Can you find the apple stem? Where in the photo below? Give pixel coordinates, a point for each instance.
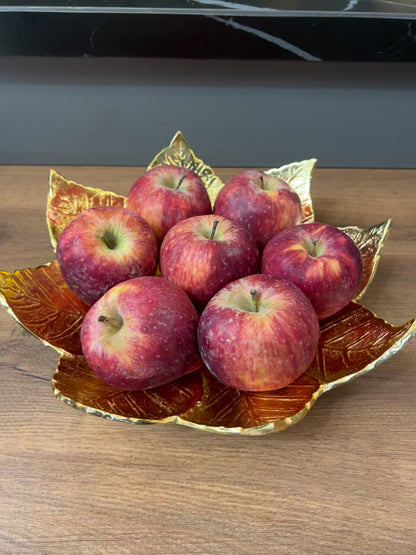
(182, 179)
(112, 321)
(314, 243)
(261, 182)
(254, 300)
(109, 239)
(214, 227)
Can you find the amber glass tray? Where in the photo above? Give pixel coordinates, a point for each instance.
(352, 342)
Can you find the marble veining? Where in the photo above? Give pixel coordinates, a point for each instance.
(232, 5)
(400, 43)
(351, 5)
(269, 38)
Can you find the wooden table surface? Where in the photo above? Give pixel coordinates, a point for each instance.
(340, 481)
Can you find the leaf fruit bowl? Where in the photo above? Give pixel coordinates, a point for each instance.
(353, 341)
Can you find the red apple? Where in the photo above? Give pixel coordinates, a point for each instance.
(165, 195)
(262, 203)
(258, 333)
(321, 260)
(103, 246)
(204, 253)
(141, 334)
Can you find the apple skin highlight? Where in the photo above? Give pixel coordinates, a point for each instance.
(165, 195)
(258, 341)
(202, 262)
(319, 259)
(262, 203)
(141, 334)
(102, 247)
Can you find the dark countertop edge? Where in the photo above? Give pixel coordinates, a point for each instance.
(206, 11)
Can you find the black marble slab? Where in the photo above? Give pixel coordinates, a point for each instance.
(355, 30)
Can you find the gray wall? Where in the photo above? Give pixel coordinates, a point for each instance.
(233, 113)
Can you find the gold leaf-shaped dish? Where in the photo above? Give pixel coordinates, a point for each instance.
(76, 384)
(39, 299)
(370, 241)
(352, 342)
(298, 175)
(67, 199)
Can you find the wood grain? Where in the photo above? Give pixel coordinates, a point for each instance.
(340, 481)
